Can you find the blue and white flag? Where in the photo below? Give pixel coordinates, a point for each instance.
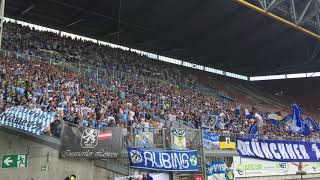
(210, 141)
(275, 118)
(216, 168)
(279, 150)
(313, 125)
(296, 123)
(163, 160)
(34, 121)
(254, 130)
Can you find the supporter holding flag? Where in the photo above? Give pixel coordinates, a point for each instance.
(257, 117)
(246, 111)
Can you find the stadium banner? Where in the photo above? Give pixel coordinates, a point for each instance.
(163, 160)
(155, 176)
(248, 167)
(179, 139)
(215, 168)
(144, 139)
(91, 143)
(279, 150)
(34, 121)
(210, 141)
(227, 142)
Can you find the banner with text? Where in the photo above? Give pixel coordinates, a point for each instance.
(248, 167)
(34, 121)
(210, 141)
(215, 168)
(279, 150)
(91, 143)
(163, 160)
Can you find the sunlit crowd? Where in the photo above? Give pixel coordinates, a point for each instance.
(133, 90)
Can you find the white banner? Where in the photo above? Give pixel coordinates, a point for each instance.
(247, 167)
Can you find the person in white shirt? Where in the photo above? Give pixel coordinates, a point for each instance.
(257, 117)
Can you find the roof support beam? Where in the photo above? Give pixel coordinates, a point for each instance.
(27, 10)
(263, 4)
(304, 11)
(278, 18)
(74, 23)
(318, 21)
(313, 13)
(111, 34)
(293, 9)
(273, 4)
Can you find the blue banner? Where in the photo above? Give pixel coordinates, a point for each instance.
(279, 150)
(210, 141)
(163, 160)
(216, 168)
(34, 121)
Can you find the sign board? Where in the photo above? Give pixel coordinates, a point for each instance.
(249, 167)
(45, 168)
(163, 160)
(279, 150)
(14, 160)
(101, 143)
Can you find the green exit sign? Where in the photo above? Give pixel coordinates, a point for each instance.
(14, 160)
(45, 168)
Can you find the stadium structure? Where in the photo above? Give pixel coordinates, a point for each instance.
(181, 90)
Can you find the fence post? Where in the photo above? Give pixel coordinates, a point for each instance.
(203, 156)
(163, 138)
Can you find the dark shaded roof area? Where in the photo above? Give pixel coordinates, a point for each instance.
(220, 34)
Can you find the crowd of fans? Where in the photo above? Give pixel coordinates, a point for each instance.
(144, 89)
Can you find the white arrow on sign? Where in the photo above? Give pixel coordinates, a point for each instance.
(7, 161)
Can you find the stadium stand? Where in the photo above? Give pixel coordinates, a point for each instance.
(144, 88)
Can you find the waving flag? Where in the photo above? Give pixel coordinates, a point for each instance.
(275, 118)
(296, 124)
(253, 130)
(312, 124)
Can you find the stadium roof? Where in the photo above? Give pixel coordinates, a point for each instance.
(221, 34)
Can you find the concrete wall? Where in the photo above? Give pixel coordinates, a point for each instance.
(39, 155)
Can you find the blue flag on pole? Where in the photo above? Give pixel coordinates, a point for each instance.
(296, 123)
(253, 130)
(296, 115)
